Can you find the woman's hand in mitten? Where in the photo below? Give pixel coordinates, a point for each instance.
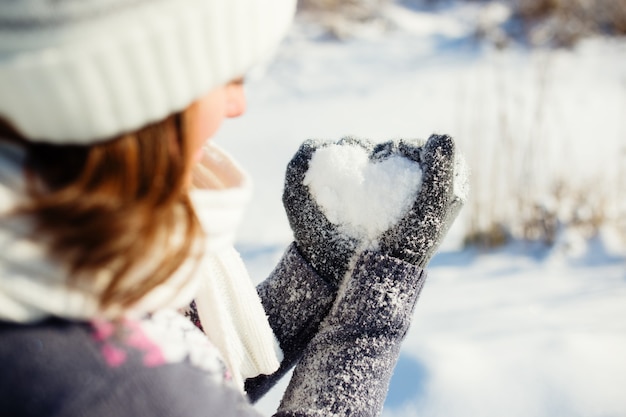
(411, 200)
(397, 198)
(321, 242)
(417, 235)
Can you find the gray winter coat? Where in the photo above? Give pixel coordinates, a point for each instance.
(344, 343)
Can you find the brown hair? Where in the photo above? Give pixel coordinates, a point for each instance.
(112, 205)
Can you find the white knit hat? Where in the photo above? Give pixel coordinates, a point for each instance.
(85, 71)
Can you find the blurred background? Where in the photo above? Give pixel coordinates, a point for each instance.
(524, 310)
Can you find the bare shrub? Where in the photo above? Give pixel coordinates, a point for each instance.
(531, 9)
(342, 19)
(564, 22)
(359, 10)
(580, 208)
(613, 12)
(495, 236)
(541, 22)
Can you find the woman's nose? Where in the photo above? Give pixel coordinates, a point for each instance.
(236, 99)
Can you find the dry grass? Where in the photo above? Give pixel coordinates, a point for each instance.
(518, 189)
(583, 209)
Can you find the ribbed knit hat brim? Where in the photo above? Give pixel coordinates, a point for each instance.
(83, 72)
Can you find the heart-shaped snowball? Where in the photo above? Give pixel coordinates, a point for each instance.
(363, 197)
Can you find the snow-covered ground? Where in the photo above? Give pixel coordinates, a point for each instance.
(517, 332)
(524, 330)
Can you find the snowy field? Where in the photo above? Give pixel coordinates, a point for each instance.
(518, 332)
(524, 330)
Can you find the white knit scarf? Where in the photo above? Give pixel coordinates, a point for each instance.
(228, 305)
(33, 285)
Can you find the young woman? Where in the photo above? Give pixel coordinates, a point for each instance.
(117, 220)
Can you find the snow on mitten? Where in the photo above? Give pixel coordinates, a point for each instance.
(443, 191)
(322, 243)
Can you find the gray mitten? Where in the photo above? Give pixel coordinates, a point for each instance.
(418, 234)
(329, 241)
(346, 367)
(322, 243)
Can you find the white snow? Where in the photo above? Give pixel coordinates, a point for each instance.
(523, 331)
(362, 196)
(460, 185)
